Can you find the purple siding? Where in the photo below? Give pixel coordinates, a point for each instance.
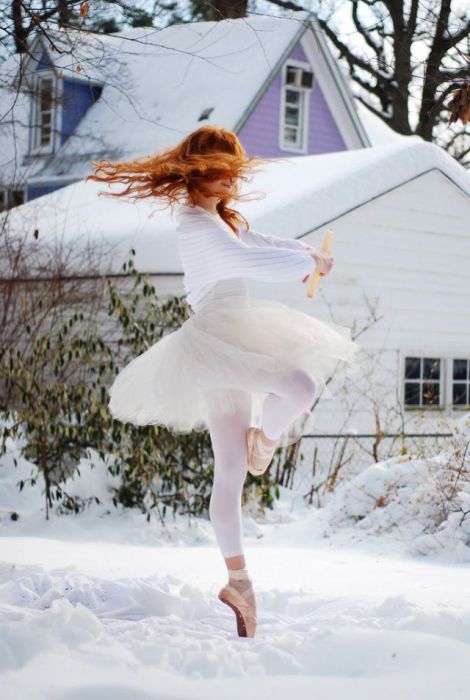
(260, 134)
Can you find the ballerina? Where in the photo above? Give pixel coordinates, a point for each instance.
(245, 368)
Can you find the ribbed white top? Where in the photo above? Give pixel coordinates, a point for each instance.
(216, 262)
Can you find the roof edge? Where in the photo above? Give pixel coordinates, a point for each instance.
(267, 82)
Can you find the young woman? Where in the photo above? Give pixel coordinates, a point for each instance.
(244, 368)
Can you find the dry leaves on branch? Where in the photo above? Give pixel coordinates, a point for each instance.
(459, 105)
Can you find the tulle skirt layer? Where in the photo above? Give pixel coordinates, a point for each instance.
(221, 350)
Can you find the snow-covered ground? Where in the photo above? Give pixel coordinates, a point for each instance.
(354, 601)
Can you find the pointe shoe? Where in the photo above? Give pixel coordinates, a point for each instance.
(260, 453)
(236, 600)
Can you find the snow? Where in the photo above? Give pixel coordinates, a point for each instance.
(378, 132)
(104, 605)
(424, 501)
(301, 195)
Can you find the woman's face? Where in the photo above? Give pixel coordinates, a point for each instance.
(223, 184)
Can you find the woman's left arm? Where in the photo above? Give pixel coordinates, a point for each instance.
(263, 240)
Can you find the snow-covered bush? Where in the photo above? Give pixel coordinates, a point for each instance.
(426, 500)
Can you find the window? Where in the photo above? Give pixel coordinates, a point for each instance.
(43, 113)
(297, 83)
(460, 382)
(16, 198)
(10, 198)
(423, 382)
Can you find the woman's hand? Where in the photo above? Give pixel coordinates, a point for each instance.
(323, 259)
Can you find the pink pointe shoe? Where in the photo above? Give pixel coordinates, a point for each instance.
(260, 452)
(236, 599)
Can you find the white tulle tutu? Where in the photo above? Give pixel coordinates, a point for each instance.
(177, 379)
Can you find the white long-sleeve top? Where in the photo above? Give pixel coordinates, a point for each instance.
(217, 262)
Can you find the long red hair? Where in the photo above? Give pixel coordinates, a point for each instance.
(209, 153)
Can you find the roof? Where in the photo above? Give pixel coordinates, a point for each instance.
(220, 65)
(302, 194)
(311, 191)
(163, 80)
(378, 132)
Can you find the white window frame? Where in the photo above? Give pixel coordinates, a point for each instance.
(463, 356)
(35, 130)
(305, 97)
(445, 381)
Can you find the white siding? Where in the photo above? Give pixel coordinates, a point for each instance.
(409, 251)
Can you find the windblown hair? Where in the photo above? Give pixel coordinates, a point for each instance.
(209, 153)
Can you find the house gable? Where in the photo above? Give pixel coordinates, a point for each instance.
(331, 120)
(44, 62)
(260, 134)
(335, 87)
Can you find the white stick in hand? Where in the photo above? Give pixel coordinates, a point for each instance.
(316, 275)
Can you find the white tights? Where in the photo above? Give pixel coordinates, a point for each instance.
(287, 398)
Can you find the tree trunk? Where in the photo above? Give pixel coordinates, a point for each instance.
(64, 12)
(18, 28)
(224, 9)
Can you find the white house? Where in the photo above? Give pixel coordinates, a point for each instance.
(400, 217)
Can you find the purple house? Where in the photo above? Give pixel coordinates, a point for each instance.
(272, 80)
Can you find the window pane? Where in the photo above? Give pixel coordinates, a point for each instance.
(293, 97)
(460, 369)
(16, 197)
(431, 368)
(290, 135)
(290, 74)
(430, 393)
(46, 94)
(292, 116)
(412, 367)
(45, 136)
(459, 394)
(412, 393)
(307, 79)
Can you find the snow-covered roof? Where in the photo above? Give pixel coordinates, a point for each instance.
(308, 192)
(302, 194)
(378, 132)
(164, 80)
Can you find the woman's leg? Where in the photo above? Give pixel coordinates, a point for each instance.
(228, 438)
(288, 396)
(287, 399)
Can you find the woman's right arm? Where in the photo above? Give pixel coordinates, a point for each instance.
(210, 253)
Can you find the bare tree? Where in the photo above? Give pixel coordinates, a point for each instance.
(19, 19)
